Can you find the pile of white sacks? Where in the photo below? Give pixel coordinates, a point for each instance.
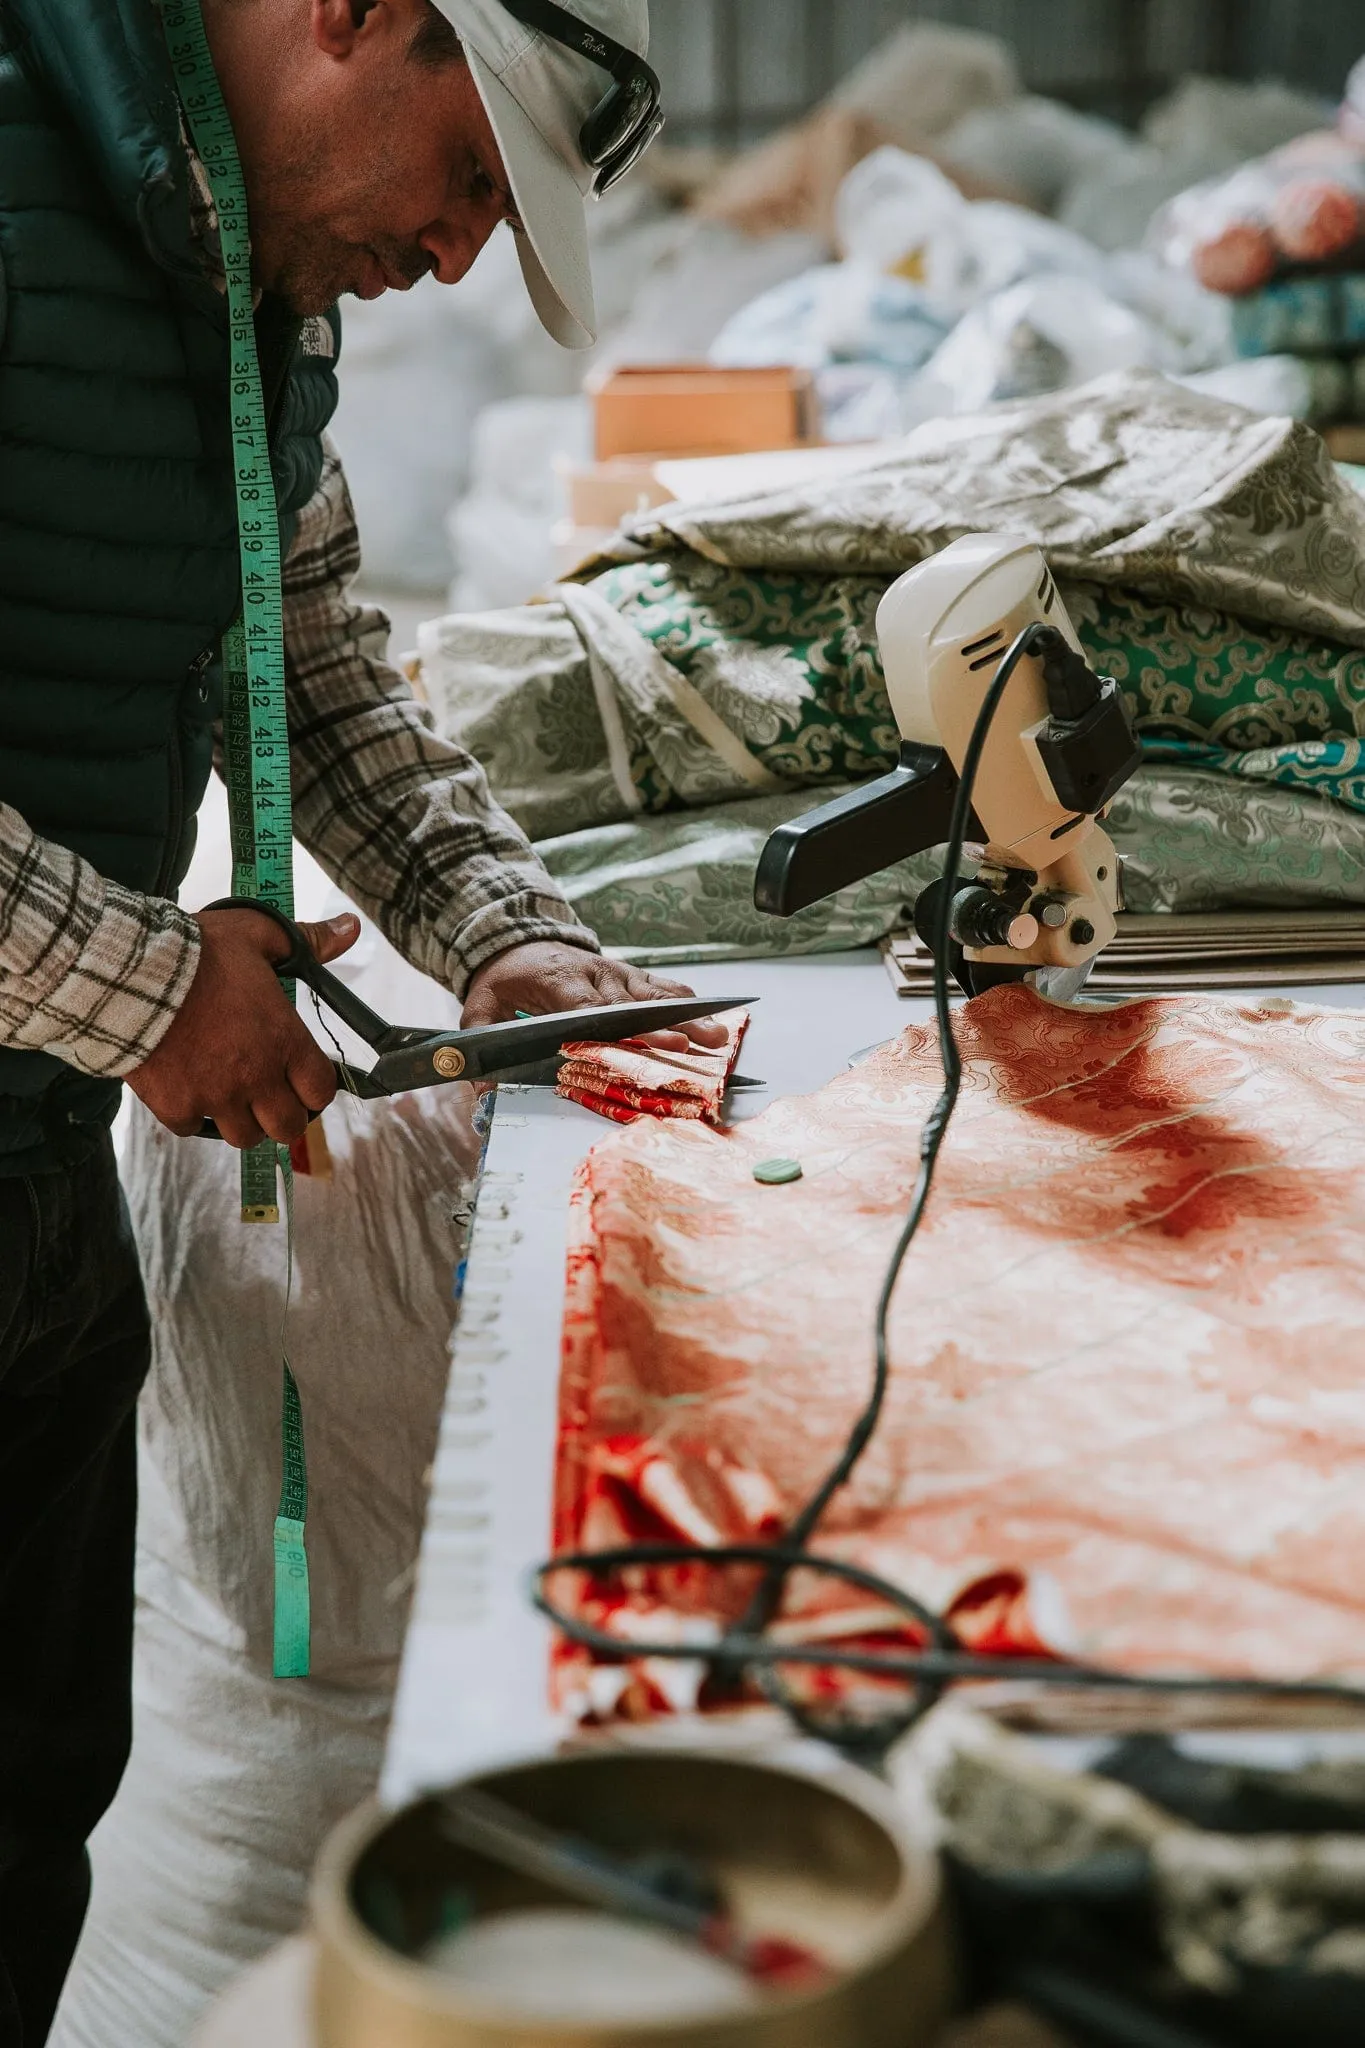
(236, 1777)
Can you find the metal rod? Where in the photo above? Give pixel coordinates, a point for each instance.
(727, 59)
(1135, 18)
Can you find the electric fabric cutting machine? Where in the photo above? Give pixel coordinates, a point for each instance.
(1042, 901)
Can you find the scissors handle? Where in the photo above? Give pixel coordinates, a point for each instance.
(304, 965)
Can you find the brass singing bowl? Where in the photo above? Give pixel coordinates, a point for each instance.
(750, 1822)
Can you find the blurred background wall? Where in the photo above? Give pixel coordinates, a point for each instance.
(737, 68)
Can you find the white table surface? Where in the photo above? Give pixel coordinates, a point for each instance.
(473, 1683)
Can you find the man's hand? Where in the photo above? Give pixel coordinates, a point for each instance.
(237, 1051)
(543, 976)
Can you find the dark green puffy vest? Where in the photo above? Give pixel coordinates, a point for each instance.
(118, 543)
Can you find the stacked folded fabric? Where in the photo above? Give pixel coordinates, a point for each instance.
(1302, 316)
(1298, 948)
(1318, 321)
(630, 1080)
(1283, 237)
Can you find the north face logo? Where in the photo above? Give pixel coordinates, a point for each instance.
(315, 338)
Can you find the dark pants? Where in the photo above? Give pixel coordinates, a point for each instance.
(73, 1353)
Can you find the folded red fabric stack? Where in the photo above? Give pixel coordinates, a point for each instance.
(629, 1080)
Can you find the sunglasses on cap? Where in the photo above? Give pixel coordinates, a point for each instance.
(629, 115)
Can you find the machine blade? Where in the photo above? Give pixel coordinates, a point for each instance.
(1061, 985)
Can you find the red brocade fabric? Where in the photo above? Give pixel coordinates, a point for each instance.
(1127, 1410)
(629, 1080)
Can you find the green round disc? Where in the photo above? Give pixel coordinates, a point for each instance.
(774, 1172)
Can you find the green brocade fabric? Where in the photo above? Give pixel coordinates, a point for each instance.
(791, 663)
(1214, 692)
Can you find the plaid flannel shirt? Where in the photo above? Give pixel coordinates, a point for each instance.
(401, 819)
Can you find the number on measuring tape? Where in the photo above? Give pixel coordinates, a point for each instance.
(255, 731)
(256, 727)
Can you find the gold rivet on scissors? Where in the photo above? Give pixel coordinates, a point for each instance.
(448, 1062)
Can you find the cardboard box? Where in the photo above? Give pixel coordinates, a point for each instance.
(1346, 444)
(602, 494)
(699, 409)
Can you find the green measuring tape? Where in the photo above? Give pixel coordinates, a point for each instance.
(255, 727)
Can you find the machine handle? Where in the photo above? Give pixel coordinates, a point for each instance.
(869, 828)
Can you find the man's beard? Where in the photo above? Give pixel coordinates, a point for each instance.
(311, 269)
(310, 281)
(299, 255)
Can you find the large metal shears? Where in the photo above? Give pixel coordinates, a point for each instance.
(523, 1050)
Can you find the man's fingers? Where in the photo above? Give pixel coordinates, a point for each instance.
(487, 1004)
(281, 1115)
(702, 1031)
(332, 936)
(643, 988)
(537, 978)
(237, 1127)
(181, 1126)
(311, 1075)
(616, 983)
(236, 1052)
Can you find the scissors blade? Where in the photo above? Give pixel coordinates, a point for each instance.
(355, 1081)
(545, 1073)
(491, 1050)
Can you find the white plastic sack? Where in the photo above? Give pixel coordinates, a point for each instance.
(1114, 207)
(501, 531)
(1036, 148)
(898, 212)
(416, 369)
(1043, 335)
(697, 285)
(1192, 327)
(1352, 116)
(201, 1863)
(901, 214)
(864, 334)
(1223, 121)
(1319, 389)
(1004, 244)
(1275, 385)
(1202, 129)
(925, 77)
(836, 313)
(862, 402)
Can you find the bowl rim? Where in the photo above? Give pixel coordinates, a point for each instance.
(342, 1936)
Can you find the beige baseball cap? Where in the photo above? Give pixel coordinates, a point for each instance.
(537, 95)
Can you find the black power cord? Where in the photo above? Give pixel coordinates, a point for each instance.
(747, 1650)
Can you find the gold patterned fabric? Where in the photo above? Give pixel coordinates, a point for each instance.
(1124, 1418)
(1130, 480)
